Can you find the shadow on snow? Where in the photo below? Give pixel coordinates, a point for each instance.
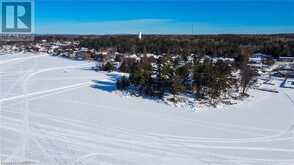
(107, 85)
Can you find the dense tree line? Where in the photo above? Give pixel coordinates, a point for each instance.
(223, 45)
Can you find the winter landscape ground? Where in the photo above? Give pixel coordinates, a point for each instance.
(59, 111)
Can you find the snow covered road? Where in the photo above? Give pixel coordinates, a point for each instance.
(75, 116)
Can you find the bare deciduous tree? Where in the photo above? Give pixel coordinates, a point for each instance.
(246, 72)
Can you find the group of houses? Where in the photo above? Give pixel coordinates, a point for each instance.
(72, 50)
(260, 58)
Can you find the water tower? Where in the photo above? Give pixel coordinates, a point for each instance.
(140, 36)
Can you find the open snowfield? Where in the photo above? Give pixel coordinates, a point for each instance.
(57, 111)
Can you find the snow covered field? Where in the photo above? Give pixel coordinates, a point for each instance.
(57, 111)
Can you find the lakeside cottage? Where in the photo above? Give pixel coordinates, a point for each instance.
(259, 58)
(286, 59)
(289, 83)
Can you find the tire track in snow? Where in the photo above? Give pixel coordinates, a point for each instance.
(181, 138)
(137, 135)
(91, 142)
(21, 59)
(174, 138)
(75, 139)
(194, 122)
(72, 135)
(26, 131)
(211, 141)
(4, 100)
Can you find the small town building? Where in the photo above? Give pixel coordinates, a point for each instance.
(286, 59)
(259, 58)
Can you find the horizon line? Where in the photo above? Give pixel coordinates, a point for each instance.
(174, 34)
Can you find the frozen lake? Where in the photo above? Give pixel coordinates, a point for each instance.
(59, 111)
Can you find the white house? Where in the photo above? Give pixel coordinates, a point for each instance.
(258, 58)
(289, 83)
(286, 59)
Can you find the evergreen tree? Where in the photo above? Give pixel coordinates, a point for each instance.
(183, 73)
(108, 67)
(176, 86)
(123, 83)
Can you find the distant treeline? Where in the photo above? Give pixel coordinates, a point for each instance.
(214, 45)
(218, 45)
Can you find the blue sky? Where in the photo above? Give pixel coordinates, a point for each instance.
(164, 16)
